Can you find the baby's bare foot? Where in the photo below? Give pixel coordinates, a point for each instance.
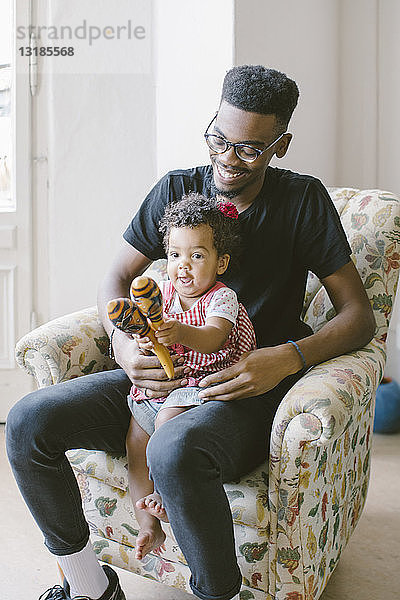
(149, 539)
(152, 504)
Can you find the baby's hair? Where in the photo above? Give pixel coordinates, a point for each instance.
(193, 210)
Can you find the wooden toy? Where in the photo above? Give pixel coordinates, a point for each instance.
(126, 315)
(146, 293)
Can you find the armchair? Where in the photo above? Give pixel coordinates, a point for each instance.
(294, 514)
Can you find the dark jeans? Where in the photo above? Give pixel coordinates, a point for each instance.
(190, 457)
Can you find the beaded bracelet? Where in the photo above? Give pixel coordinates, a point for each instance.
(299, 352)
(110, 347)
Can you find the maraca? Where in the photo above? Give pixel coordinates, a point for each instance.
(147, 294)
(126, 315)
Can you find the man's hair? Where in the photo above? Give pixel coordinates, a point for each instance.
(265, 91)
(193, 210)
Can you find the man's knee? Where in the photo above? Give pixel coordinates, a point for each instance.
(176, 447)
(26, 423)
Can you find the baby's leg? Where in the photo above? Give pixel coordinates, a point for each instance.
(152, 503)
(165, 414)
(150, 536)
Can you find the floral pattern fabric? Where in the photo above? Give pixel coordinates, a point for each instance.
(293, 515)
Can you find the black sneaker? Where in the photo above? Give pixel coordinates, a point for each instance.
(113, 592)
(54, 593)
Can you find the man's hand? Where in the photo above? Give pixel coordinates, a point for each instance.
(169, 332)
(145, 372)
(145, 344)
(254, 374)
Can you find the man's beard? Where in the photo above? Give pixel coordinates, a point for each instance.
(230, 194)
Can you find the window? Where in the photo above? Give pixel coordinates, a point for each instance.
(7, 202)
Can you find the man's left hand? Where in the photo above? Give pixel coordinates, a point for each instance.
(255, 373)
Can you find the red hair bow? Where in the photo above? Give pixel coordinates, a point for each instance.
(229, 209)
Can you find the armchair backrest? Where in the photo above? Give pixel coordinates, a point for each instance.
(371, 220)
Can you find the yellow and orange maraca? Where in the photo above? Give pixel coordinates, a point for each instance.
(141, 316)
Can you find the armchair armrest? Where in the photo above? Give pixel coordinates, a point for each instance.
(73, 345)
(330, 394)
(67, 347)
(319, 466)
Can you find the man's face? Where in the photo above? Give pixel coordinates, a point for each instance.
(232, 176)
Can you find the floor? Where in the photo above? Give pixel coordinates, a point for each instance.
(369, 567)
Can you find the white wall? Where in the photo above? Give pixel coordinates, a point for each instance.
(357, 155)
(95, 139)
(98, 173)
(193, 51)
(388, 141)
(300, 39)
(345, 57)
(388, 16)
(107, 135)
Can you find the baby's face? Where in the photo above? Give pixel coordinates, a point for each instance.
(193, 262)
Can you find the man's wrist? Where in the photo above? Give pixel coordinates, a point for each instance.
(294, 358)
(285, 358)
(288, 359)
(117, 334)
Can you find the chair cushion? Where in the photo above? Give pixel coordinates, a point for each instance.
(248, 497)
(102, 480)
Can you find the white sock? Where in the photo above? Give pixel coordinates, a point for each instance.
(83, 572)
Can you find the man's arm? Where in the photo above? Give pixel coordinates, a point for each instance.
(261, 370)
(352, 327)
(144, 371)
(128, 264)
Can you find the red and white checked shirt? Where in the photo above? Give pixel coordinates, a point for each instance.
(241, 338)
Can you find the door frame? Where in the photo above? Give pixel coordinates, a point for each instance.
(16, 260)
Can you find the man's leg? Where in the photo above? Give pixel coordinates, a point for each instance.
(88, 412)
(190, 457)
(151, 503)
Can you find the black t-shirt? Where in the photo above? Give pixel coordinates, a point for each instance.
(291, 228)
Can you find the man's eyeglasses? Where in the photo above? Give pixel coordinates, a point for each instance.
(244, 152)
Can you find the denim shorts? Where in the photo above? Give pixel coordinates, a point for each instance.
(145, 411)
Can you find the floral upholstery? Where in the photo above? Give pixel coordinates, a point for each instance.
(293, 515)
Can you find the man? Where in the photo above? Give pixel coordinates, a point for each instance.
(289, 226)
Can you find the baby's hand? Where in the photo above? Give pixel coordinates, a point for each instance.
(170, 332)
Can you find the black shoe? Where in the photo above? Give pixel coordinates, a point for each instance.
(54, 593)
(113, 592)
